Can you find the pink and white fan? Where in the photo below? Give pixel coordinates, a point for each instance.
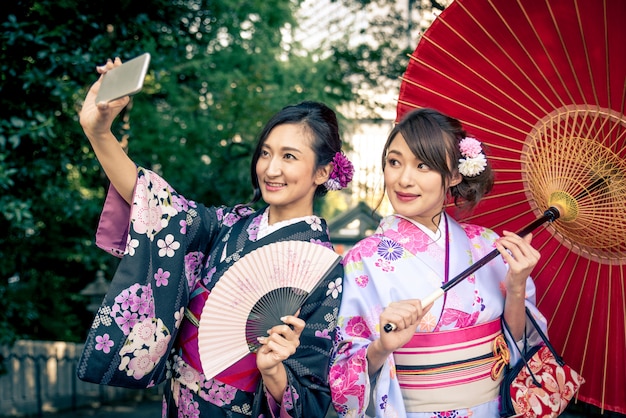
(254, 293)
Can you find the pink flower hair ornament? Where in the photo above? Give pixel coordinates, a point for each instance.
(474, 161)
(341, 174)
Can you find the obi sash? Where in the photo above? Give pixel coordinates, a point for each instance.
(243, 375)
(456, 369)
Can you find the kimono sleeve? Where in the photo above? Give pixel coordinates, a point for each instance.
(532, 336)
(134, 329)
(112, 232)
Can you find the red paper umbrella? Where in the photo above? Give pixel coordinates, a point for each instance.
(543, 84)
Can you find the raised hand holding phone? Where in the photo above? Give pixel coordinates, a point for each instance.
(96, 116)
(125, 80)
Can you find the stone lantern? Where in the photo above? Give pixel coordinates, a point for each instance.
(96, 291)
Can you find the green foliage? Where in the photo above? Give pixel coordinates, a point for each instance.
(373, 63)
(219, 70)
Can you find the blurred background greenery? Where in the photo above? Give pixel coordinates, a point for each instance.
(219, 70)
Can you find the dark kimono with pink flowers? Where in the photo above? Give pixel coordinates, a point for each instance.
(173, 252)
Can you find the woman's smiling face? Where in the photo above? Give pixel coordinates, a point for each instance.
(414, 189)
(286, 170)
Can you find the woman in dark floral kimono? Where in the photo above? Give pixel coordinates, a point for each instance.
(175, 250)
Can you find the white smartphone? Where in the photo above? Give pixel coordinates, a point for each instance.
(125, 80)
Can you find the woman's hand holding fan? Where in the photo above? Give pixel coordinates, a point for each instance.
(279, 345)
(253, 296)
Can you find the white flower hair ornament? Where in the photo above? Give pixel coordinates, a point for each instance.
(474, 161)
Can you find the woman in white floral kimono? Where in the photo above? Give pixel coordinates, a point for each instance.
(174, 252)
(445, 359)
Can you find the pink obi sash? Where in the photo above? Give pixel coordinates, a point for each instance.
(456, 369)
(243, 375)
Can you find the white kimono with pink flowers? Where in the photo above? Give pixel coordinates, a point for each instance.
(402, 261)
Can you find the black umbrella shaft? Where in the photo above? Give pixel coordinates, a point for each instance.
(549, 215)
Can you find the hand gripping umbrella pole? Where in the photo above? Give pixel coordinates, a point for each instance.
(559, 209)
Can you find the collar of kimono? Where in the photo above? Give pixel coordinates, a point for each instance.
(446, 242)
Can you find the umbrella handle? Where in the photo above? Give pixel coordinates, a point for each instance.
(550, 215)
(425, 302)
(433, 297)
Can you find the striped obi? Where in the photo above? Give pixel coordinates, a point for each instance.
(456, 369)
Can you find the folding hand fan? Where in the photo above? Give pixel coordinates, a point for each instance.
(254, 293)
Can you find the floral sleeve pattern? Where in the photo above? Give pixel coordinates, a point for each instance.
(135, 327)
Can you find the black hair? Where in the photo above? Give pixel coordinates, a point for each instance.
(434, 138)
(320, 120)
